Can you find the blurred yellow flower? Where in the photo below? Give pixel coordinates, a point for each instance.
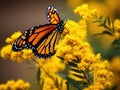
(113, 6)
(115, 64)
(15, 85)
(13, 37)
(117, 25)
(6, 51)
(115, 67)
(85, 12)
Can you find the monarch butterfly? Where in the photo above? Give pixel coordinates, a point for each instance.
(43, 38)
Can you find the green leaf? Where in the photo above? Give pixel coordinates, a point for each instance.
(41, 83)
(76, 61)
(62, 75)
(97, 34)
(91, 76)
(81, 82)
(104, 32)
(72, 64)
(77, 71)
(116, 43)
(76, 84)
(60, 58)
(38, 74)
(107, 32)
(105, 21)
(99, 20)
(87, 76)
(73, 82)
(96, 21)
(101, 23)
(101, 17)
(108, 20)
(79, 76)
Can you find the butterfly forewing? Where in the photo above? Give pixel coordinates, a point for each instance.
(52, 15)
(38, 34)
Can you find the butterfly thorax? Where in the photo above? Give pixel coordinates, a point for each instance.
(60, 26)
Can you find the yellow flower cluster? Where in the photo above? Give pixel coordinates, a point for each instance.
(48, 69)
(117, 25)
(55, 83)
(13, 37)
(117, 28)
(88, 60)
(85, 12)
(51, 65)
(15, 85)
(102, 76)
(7, 53)
(74, 45)
(70, 46)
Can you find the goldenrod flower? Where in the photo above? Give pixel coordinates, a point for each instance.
(74, 45)
(117, 25)
(7, 53)
(88, 60)
(51, 65)
(49, 68)
(85, 12)
(13, 37)
(69, 47)
(54, 84)
(15, 85)
(102, 76)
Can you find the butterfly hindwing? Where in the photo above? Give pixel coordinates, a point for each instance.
(47, 47)
(21, 42)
